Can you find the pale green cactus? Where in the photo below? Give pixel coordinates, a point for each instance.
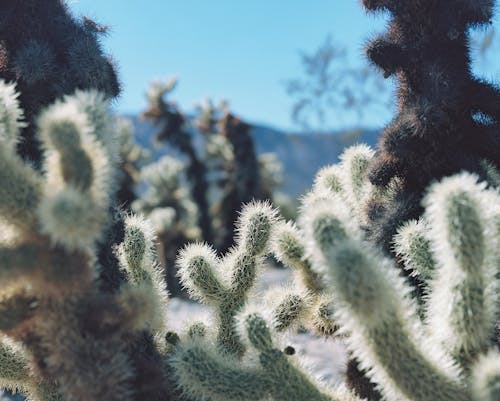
(203, 373)
(454, 249)
(63, 338)
(463, 300)
(223, 368)
(74, 208)
(312, 308)
(137, 257)
(354, 164)
(225, 283)
(11, 115)
(412, 244)
(290, 307)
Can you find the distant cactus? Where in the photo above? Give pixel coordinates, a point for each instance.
(244, 182)
(173, 130)
(447, 120)
(132, 157)
(168, 204)
(222, 168)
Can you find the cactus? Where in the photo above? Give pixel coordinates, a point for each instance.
(49, 54)
(225, 283)
(447, 119)
(172, 211)
(205, 374)
(173, 130)
(204, 369)
(82, 303)
(62, 333)
(456, 249)
(486, 377)
(311, 306)
(224, 172)
(244, 183)
(132, 157)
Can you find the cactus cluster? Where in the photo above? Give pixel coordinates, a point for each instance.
(83, 301)
(432, 354)
(217, 171)
(223, 169)
(212, 363)
(64, 330)
(168, 204)
(441, 347)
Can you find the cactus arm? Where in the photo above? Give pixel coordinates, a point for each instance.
(412, 245)
(463, 300)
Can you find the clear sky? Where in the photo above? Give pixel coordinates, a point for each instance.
(239, 50)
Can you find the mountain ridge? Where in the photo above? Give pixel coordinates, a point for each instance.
(302, 155)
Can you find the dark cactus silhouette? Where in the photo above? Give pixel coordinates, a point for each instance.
(173, 130)
(447, 119)
(243, 184)
(49, 54)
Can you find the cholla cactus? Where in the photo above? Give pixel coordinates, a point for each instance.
(203, 373)
(137, 258)
(447, 120)
(168, 204)
(308, 301)
(209, 115)
(243, 183)
(456, 250)
(204, 370)
(174, 131)
(224, 172)
(225, 283)
(49, 54)
(132, 157)
(65, 337)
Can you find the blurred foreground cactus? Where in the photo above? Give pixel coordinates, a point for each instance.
(64, 334)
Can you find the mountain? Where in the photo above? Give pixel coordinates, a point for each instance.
(302, 155)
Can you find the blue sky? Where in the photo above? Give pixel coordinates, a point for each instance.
(239, 50)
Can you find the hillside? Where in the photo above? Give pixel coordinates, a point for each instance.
(301, 154)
